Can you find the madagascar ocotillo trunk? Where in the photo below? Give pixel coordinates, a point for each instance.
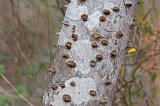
(90, 51)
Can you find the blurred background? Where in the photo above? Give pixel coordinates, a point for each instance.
(27, 35)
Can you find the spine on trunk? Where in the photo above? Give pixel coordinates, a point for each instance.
(89, 53)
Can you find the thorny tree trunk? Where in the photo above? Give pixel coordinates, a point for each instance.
(89, 53)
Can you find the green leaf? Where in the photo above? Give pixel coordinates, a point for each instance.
(2, 69)
(137, 90)
(1, 28)
(3, 100)
(153, 76)
(2, 57)
(142, 97)
(29, 71)
(23, 89)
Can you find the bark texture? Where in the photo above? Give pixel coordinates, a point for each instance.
(89, 53)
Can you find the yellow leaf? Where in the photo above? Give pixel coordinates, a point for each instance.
(157, 90)
(132, 50)
(121, 71)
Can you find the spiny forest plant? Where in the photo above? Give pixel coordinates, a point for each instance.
(90, 52)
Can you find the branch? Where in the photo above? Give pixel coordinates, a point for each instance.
(21, 96)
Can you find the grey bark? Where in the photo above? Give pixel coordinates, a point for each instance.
(86, 84)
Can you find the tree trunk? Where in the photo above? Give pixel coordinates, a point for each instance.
(89, 53)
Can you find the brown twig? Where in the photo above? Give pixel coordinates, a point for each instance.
(21, 96)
